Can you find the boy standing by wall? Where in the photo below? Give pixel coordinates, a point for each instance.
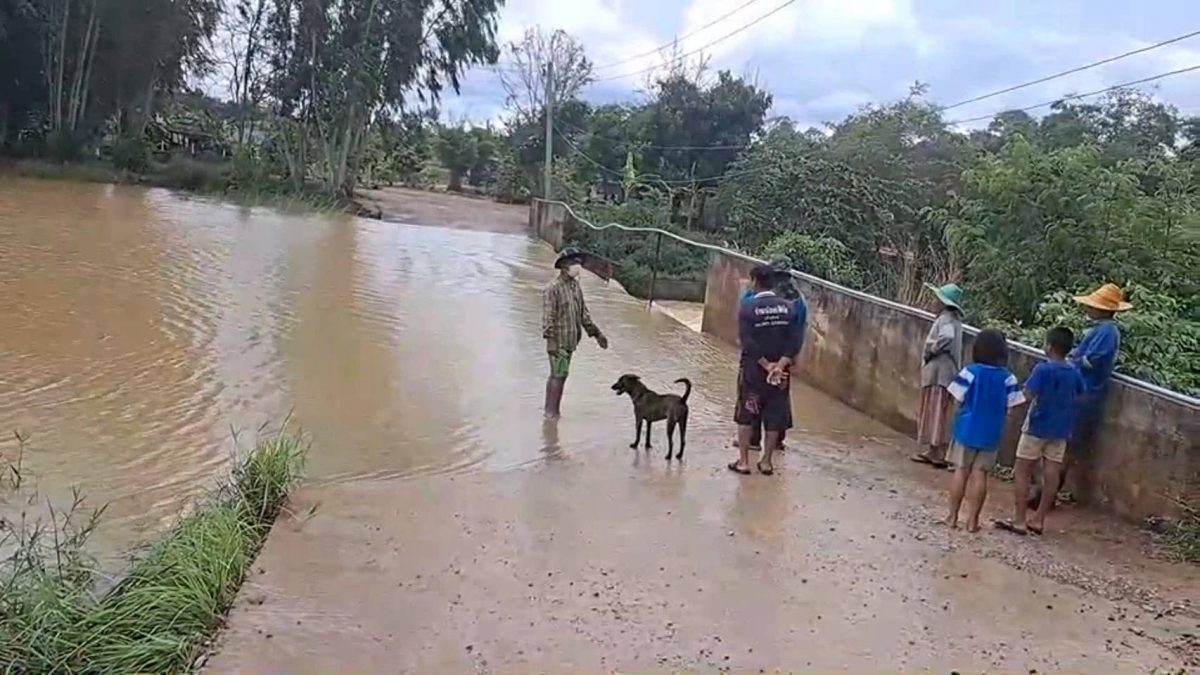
(985, 391)
(1054, 388)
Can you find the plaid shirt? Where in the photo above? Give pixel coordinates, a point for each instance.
(565, 315)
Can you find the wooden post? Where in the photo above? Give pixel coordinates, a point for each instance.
(654, 270)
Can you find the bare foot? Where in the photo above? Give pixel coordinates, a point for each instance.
(951, 523)
(973, 527)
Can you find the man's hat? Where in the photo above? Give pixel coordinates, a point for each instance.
(1107, 298)
(568, 255)
(781, 263)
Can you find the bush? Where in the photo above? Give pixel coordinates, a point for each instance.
(190, 174)
(130, 153)
(64, 146)
(818, 255)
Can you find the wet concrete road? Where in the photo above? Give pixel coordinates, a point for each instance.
(512, 546)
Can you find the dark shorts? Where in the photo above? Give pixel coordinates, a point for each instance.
(758, 400)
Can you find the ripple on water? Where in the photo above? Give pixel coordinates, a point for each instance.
(402, 350)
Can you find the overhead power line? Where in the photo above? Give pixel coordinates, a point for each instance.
(681, 38)
(1071, 97)
(681, 181)
(736, 174)
(1072, 71)
(634, 144)
(717, 41)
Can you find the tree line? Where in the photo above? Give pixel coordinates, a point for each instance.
(306, 82)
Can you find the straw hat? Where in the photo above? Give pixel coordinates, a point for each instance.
(1107, 298)
(950, 295)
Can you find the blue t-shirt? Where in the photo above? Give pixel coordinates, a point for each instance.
(1096, 355)
(801, 309)
(1055, 386)
(767, 329)
(986, 393)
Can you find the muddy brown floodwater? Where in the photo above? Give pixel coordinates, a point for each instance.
(443, 526)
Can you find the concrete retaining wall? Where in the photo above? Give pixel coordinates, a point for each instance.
(866, 352)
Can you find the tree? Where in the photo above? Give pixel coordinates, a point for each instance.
(524, 77)
(458, 151)
(339, 64)
(22, 83)
(244, 26)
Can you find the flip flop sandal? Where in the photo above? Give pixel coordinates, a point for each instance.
(1008, 526)
(770, 471)
(921, 459)
(1035, 530)
(737, 469)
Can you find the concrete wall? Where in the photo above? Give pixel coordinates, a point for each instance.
(866, 352)
(546, 221)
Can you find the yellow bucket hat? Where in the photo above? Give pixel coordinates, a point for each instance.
(1107, 298)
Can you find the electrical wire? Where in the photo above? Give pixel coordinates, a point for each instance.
(737, 174)
(1072, 71)
(681, 38)
(617, 141)
(1071, 97)
(664, 181)
(719, 40)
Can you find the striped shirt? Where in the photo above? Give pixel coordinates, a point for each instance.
(565, 315)
(986, 393)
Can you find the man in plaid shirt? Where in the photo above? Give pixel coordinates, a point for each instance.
(564, 320)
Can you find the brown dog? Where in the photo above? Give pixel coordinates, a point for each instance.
(650, 406)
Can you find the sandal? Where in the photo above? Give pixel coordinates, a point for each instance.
(1035, 530)
(1008, 526)
(733, 466)
(769, 471)
(921, 459)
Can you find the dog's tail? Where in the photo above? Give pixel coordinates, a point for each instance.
(687, 388)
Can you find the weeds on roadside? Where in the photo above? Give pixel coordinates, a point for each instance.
(1184, 535)
(159, 616)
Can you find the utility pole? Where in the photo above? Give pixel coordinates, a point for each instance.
(549, 166)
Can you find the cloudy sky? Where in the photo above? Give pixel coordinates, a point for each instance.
(821, 59)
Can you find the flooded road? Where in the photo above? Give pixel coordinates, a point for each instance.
(444, 527)
(141, 327)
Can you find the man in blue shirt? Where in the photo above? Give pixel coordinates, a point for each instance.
(770, 338)
(1096, 357)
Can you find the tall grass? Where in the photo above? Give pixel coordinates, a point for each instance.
(159, 617)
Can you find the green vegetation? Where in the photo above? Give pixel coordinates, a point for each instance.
(314, 104)
(54, 618)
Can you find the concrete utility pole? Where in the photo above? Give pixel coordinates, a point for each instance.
(548, 188)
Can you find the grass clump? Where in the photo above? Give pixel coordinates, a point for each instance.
(1183, 535)
(161, 615)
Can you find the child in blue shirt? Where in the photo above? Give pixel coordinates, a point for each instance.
(1054, 387)
(985, 391)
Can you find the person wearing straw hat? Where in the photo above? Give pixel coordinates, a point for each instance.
(565, 319)
(1096, 357)
(941, 360)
